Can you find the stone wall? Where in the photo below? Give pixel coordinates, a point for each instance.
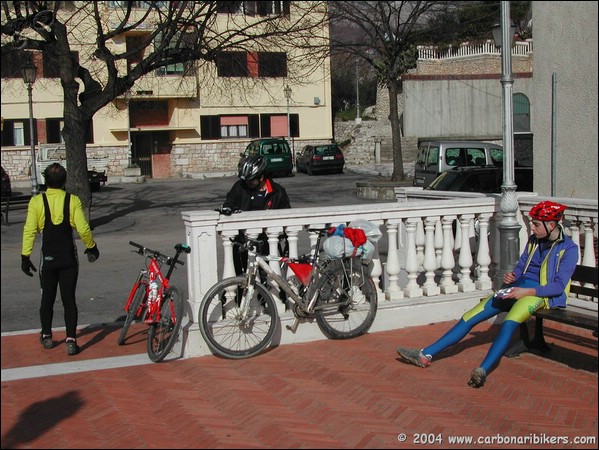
(363, 137)
(17, 162)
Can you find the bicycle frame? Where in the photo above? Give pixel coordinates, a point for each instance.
(146, 276)
(141, 279)
(154, 305)
(307, 273)
(151, 292)
(238, 316)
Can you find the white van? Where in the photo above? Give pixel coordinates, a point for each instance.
(435, 157)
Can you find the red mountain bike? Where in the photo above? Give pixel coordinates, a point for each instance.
(154, 301)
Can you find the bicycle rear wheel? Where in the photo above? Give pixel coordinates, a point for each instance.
(163, 334)
(347, 302)
(224, 329)
(138, 298)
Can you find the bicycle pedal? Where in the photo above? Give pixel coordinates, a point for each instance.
(293, 328)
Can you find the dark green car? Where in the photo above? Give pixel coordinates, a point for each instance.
(276, 151)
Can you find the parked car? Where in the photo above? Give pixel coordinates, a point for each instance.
(480, 179)
(320, 158)
(276, 151)
(6, 187)
(436, 157)
(56, 153)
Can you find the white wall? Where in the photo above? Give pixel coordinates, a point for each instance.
(565, 37)
(456, 107)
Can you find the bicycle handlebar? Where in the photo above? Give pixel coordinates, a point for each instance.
(180, 248)
(321, 231)
(254, 243)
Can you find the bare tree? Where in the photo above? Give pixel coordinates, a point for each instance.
(384, 34)
(78, 37)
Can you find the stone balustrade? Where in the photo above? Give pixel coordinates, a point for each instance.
(435, 258)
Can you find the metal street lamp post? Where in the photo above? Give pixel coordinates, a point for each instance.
(358, 118)
(29, 76)
(509, 228)
(287, 92)
(129, 153)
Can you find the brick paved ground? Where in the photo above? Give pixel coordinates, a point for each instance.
(325, 394)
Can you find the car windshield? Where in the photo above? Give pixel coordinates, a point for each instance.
(280, 147)
(326, 150)
(485, 181)
(443, 182)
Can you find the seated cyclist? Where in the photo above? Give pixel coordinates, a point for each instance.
(254, 191)
(540, 280)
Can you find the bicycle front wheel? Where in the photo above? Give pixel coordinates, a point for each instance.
(347, 302)
(138, 298)
(163, 334)
(222, 323)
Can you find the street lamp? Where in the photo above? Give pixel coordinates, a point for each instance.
(287, 92)
(509, 228)
(28, 71)
(129, 153)
(358, 118)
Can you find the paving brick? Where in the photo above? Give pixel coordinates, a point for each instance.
(324, 394)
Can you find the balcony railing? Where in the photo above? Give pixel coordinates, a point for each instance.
(435, 258)
(467, 49)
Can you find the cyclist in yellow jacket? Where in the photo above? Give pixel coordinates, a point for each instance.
(55, 214)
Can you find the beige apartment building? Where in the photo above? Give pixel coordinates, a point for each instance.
(179, 122)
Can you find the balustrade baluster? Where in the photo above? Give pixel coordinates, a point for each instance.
(420, 243)
(228, 265)
(438, 242)
(483, 257)
(448, 286)
(588, 258)
(376, 265)
(393, 291)
(292, 232)
(465, 260)
(430, 260)
(412, 289)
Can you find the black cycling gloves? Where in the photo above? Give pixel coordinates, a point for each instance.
(92, 253)
(27, 266)
(227, 211)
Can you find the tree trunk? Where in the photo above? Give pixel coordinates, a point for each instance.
(398, 170)
(75, 126)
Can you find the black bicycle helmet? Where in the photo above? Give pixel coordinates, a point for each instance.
(252, 168)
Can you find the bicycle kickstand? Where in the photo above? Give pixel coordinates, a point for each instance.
(293, 328)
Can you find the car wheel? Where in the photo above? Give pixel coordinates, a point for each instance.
(309, 170)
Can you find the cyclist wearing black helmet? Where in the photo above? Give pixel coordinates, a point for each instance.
(254, 191)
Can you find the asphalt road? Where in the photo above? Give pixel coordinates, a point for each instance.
(150, 214)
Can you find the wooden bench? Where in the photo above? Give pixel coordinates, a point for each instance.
(577, 316)
(13, 202)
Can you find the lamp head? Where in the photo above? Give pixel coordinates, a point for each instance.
(29, 72)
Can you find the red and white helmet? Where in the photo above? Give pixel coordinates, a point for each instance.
(547, 211)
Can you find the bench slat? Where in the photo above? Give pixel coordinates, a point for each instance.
(586, 274)
(13, 203)
(569, 317)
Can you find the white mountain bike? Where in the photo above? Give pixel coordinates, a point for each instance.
(238, 315)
